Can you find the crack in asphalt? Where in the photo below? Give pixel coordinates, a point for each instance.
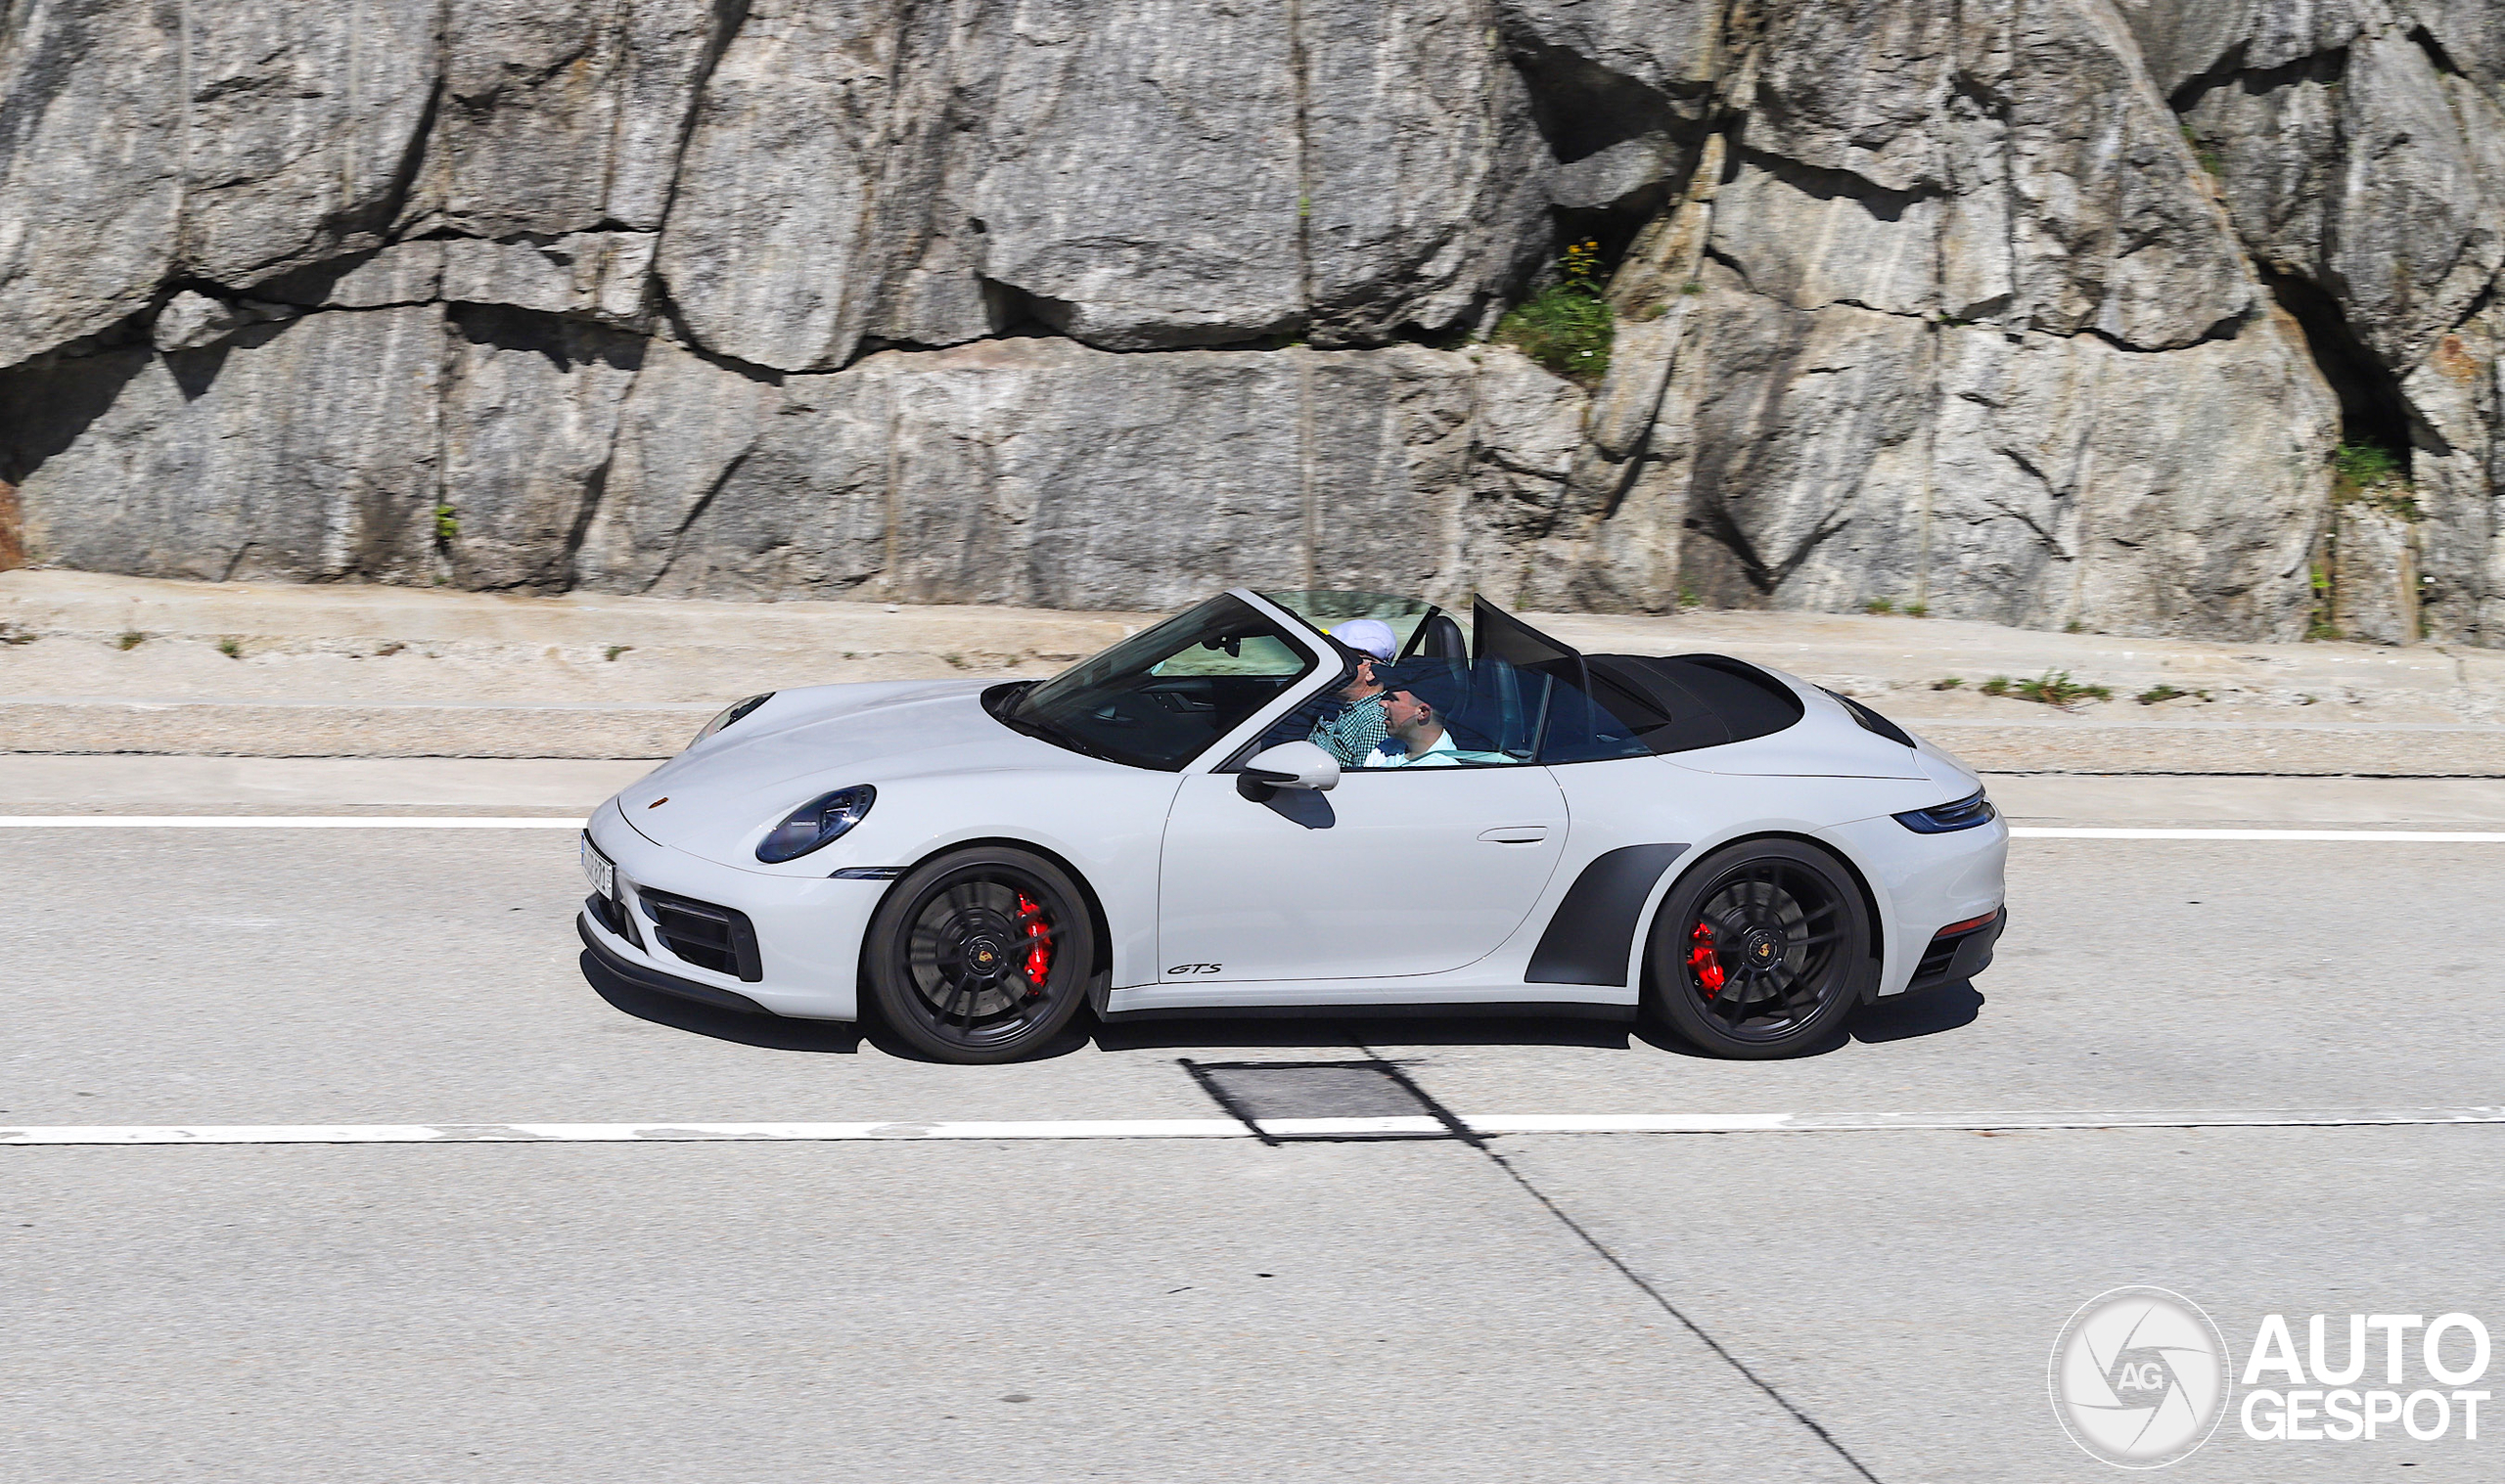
(1462, 1132)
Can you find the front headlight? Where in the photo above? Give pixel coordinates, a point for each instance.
(731, 714)
(815, 823)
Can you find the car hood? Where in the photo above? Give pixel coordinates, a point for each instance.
(720, 796)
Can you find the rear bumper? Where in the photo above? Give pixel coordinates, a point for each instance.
(644, 976)
(1950, 961)
(1923, 882)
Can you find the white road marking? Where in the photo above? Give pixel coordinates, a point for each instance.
(1987, 1122)
(550, 822)
(2358, 837)
(1228, 1128)
(611, 1133)
(287, 821)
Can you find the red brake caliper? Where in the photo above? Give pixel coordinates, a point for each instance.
(1699, 957)
(1040, 951)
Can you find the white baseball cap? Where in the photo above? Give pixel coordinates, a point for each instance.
(1368, 636)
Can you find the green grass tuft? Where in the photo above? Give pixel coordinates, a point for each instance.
(1567, 327)
(2373, 473)
(1563, 329)
(2053, 688)
(2367, 463)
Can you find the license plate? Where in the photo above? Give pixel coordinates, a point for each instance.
(597, 871)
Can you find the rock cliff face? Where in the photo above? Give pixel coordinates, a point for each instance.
(2044, 311)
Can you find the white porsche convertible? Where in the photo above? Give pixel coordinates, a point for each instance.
(1185, 825)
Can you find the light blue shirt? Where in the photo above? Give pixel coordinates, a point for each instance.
(1440, 753)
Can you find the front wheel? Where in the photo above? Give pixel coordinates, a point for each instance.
(1760, 951)
(981, 956)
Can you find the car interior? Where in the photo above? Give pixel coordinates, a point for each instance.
(1162, 696)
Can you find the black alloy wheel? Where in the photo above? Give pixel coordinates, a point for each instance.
(1761, 950)
(981, 956)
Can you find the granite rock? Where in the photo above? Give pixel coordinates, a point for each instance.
(764, 254)
(1820, 459)
(190, 320)
(560, 115)
(2010, 166)
(2375, 574)
(2183, 40)
(299, 127)
(530, 416)
(1039, 471)
(2049, 313)
(590, 275)
(91, 187)
(2458, 467)
(301, 449)
(2360, 145)
(2371, 172)
(1425, 190)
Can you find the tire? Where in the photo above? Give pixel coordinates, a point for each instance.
(981, 956)
(1760, 951)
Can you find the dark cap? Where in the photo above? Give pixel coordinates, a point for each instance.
(1440, 683)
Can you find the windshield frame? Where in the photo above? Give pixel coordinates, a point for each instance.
(1326, 665)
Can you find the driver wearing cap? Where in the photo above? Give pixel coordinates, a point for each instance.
(1352, 733)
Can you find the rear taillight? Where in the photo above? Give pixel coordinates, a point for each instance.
(1939, 818)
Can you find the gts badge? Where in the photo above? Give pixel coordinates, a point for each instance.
(1180, 969)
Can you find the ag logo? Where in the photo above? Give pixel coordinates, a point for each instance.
(2139, 1378)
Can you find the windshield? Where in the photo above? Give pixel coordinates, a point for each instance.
(1161, 697)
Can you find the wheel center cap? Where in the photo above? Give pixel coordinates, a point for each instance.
(1761, 948)
(982, 954)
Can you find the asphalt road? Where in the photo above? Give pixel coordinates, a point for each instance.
(1590, 1307)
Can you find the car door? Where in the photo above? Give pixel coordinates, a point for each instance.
(1400, 871)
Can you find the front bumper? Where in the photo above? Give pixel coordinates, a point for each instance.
(644, 976)
(808, 930)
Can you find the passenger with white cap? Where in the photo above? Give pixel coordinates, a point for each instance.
(1352, 734)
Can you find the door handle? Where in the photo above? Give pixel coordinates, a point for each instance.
(1515, 834)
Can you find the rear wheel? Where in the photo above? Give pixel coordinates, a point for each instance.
(980, 955)
(1762, 951)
